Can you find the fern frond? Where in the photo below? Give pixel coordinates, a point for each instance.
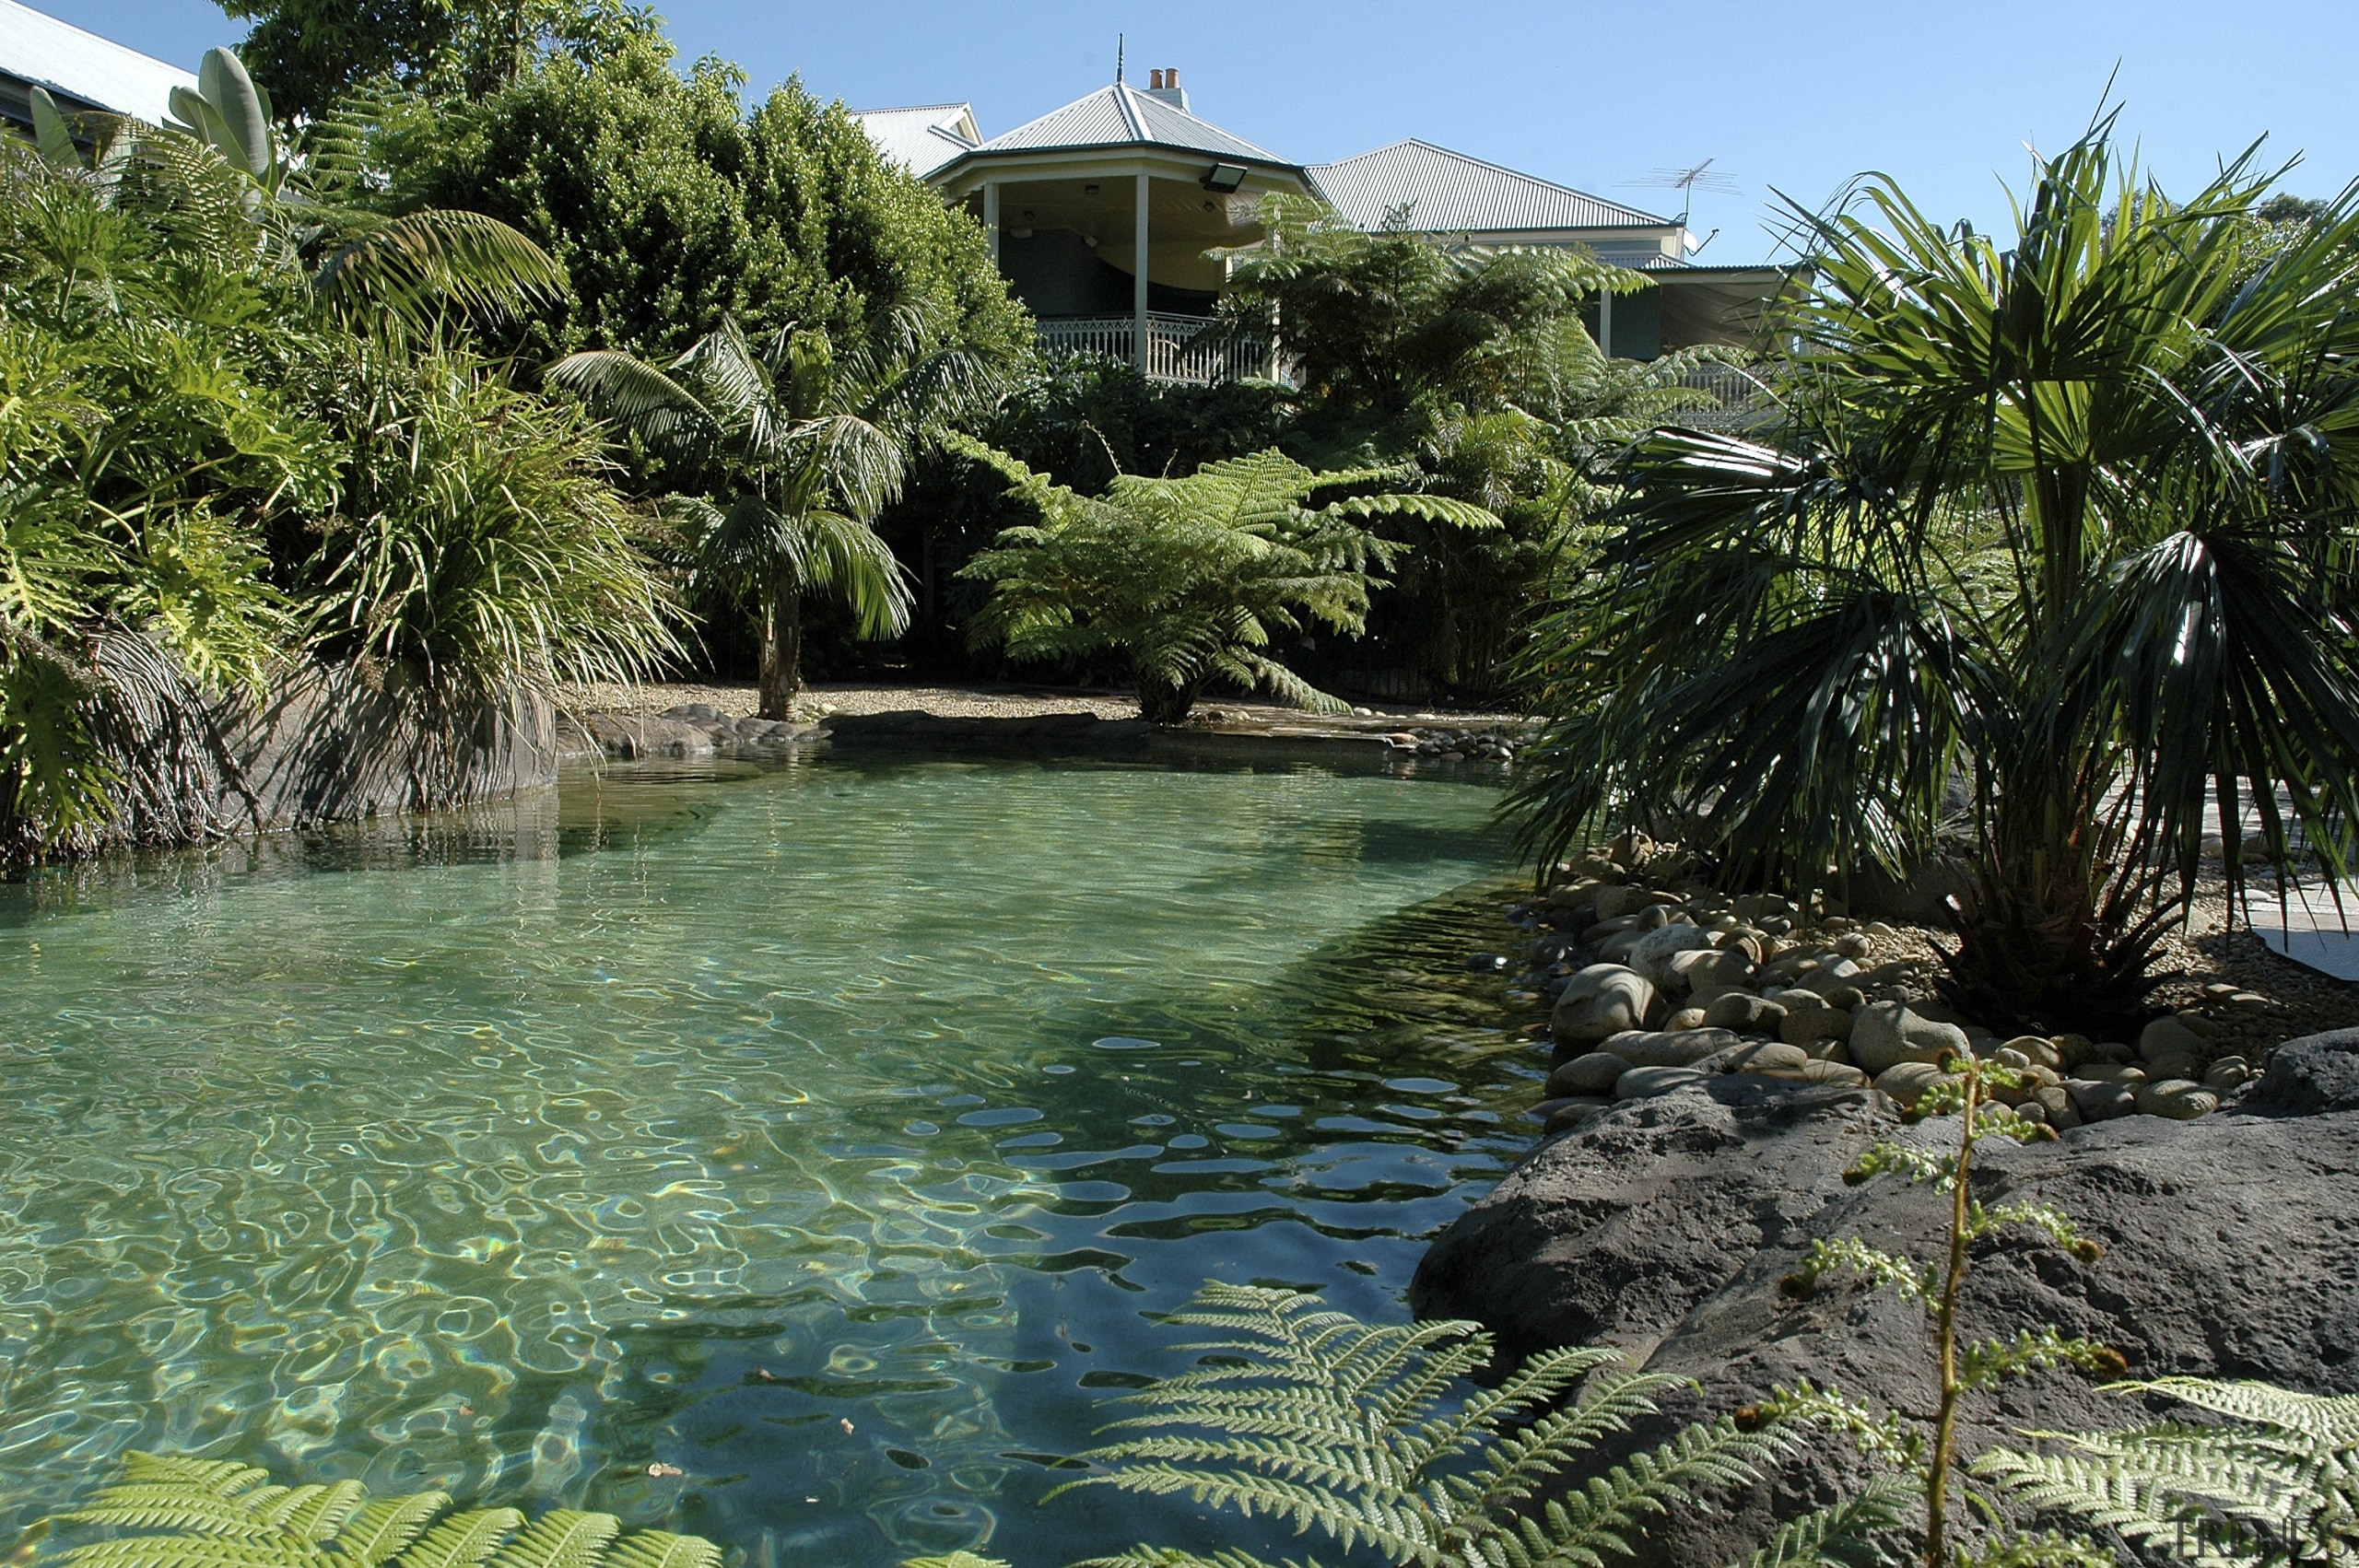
(156, 1506)
(563, 1538)
(464, 1539)
(382, 1529)
(2328, 1420)
(316, 1512)
(218, 1478)
(1849, 1534)
(661, 1549)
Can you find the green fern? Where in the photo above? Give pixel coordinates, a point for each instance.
(181, 1513)
(2275, 1480)
(1370, 1437)
(1192, 578)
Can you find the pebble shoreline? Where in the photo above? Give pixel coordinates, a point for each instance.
(1659, 982)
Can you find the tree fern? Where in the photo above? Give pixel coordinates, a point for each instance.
(2275, 1480)
(1192, 578)
(1369, 1436)
(168, 1512)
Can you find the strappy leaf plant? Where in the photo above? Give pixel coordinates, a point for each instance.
(2048, 557)
(2271, 1477)
(1370, 1437)
(1192, 578)
(168, 1512)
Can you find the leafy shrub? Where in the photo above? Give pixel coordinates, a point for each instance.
(1192, 579)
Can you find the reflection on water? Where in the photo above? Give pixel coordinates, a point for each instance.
(829, 1133)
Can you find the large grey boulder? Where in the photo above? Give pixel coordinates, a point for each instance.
(2316, 1072)
(1664, 1225)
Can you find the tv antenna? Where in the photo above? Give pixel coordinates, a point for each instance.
(1119, 42)
(1688, 180)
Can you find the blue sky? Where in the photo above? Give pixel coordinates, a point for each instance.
(1796, 96)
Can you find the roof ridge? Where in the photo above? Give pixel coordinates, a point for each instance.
(1503, 169)
(893, 108)
(1122, 91)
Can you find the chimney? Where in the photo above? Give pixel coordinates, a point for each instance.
(1165, 85)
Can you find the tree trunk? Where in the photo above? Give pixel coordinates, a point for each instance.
(781, 675)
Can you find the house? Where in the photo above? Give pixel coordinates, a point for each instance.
(1074, 199)
(82, 71)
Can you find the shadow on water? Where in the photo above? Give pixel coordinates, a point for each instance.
(831, 1133)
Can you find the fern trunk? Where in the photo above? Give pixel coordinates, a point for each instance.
(1163, 703)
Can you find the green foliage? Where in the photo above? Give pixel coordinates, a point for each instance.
(1922, 1454)
(801, 447)
(147, 438)
(479, 548)
(2062, 522)
(311, 52)
(671, 209)
(1192, 579)
(1370, 1437)
(180, 1513)
(2273, 1478)
(1383, 324)
(222, 172)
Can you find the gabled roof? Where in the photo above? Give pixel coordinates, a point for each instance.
(924, 137)
(1120, 115)
(40, 51)
(1449, 193)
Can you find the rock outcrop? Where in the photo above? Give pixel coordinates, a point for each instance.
(1663, 1225)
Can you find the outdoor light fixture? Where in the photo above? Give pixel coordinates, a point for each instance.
(1089, 190)
(1224, 177)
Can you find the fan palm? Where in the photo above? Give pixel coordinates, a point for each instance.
(804, 446)
(2062, 531)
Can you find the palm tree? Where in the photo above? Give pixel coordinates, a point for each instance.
(2050, 554)
(806, 446)
(223, 180)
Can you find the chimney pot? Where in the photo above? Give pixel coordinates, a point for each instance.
(1171, 77)
(1154, 80)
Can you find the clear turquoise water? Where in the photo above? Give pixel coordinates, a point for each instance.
(828, 1134)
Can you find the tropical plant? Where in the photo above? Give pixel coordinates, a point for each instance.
(221, 172)
(2063, 526)
(1383, 325)
(1369, 1437)
(2272, 1479)
(479, 549)
(148, 436)
(1192, 579)
(180, 1513)
(1924, 1454)
(803, 447)
(670, 206)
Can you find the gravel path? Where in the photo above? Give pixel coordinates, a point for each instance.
(978, 702)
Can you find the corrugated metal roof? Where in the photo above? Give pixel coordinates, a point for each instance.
(45, 52)
(1120, 115)
(922, 138)
(1450, 192)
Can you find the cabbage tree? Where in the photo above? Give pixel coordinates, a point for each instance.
(2049, 558)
